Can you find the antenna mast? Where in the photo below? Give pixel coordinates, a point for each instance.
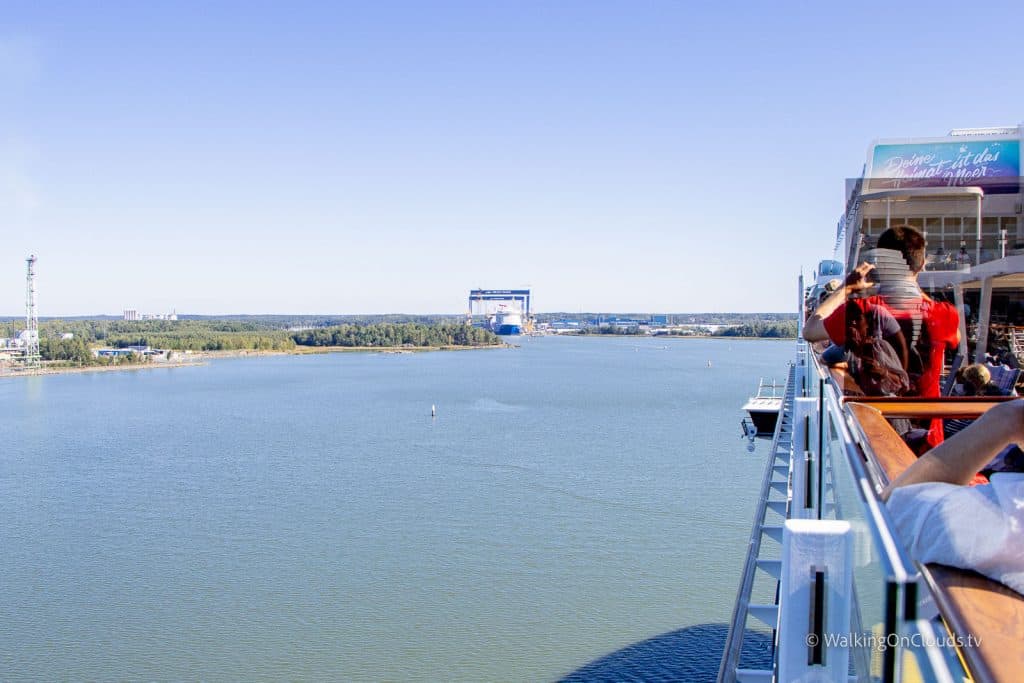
(31, 318)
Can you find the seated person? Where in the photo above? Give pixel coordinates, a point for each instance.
(974, 380)
(977, 381)
(941, 519)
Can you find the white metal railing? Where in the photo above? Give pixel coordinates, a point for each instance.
(829, 492)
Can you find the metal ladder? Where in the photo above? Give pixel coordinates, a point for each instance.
(774, 498)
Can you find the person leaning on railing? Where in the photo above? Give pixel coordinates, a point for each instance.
(941, 519)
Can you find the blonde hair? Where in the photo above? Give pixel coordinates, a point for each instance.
(977, 375)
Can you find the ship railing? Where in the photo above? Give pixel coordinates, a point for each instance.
(890, 633)
(885, 631)
(982, 616)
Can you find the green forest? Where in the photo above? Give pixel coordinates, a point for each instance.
(270, 333)
(402, 334)
(778, 330)
(761, 329)
(233, 335)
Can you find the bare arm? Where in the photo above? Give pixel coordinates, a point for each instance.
(814, 327)
(957, 459)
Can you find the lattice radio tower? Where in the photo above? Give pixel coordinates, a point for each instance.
(31, 318)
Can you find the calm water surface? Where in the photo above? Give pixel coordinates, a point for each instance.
(303, 517)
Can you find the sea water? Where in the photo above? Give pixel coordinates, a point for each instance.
(579, 507)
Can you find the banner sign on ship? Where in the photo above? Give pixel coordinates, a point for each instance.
(993, 165)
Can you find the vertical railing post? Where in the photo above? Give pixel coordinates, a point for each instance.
(815, 600)
(804, 461)
(801, 368)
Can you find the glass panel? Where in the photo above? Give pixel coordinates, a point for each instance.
(868, 618)
(990, 249)
(970, 228)
(1014, 240)
(880, 648)
(876, 227)
(938, 250)
(952, 231)
(917, 641)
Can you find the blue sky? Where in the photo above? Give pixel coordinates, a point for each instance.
(387, 157)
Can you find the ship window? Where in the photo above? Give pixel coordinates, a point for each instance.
(990, 237)
(952, 231)
(970, 228)
(1010, 226)
(933, 233)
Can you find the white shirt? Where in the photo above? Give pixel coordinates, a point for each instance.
(968, 527)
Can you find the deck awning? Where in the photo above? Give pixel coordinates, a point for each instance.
(1005, 273)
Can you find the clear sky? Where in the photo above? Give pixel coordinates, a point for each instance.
(269, 157)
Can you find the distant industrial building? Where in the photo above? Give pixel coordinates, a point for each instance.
(138, 350)
(504, 311)
(132, 315)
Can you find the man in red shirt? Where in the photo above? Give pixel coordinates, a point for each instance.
(929, 327)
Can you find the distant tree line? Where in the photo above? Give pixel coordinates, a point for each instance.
(779, 330)
(232, 335)
(75, 351)
(676, 318)
(611, 329)
(397, 334)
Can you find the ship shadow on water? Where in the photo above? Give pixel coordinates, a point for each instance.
(691, 654)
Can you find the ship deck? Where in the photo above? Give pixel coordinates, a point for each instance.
(862, 456)
(970, 604)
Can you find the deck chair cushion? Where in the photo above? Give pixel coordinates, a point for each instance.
(1004, 377)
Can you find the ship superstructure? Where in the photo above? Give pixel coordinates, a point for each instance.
(827, 576)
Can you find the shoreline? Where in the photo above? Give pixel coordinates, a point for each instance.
(76, 370)
(202, 358)
(315, 350)
(670, 336)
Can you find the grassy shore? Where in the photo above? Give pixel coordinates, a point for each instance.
(199, 358)
(57, 369)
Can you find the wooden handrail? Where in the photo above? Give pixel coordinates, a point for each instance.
(970, 604)
(888, 455)
(991, 612)
(965, 407)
